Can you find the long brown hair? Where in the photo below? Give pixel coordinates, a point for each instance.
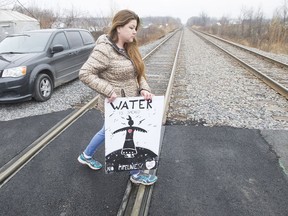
(120, 19)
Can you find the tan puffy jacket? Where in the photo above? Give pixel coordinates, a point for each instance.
(108, 70)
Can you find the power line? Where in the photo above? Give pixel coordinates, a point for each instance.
(26, 9)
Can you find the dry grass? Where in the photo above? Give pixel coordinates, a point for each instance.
(145, 36)
(277, 48)
(272, 38)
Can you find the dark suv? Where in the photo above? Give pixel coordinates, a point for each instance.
(32, 64)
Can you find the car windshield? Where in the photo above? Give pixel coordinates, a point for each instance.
(25, 43)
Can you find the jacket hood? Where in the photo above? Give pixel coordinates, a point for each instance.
(107, 40)
(103, 39)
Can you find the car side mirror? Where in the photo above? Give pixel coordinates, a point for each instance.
(56, 49)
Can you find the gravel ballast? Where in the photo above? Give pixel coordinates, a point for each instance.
(212, 89)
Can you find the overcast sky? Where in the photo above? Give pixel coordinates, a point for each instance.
(182, 9)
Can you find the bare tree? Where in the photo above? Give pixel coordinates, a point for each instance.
(284, 10)
(71, 17)
(258, 20)
(6, 3)
(46, 17)
(204, 18)
(246, 17)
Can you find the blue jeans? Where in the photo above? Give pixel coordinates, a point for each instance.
(96, 142)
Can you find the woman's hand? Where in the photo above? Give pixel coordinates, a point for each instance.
(146, 94)
(112, 97)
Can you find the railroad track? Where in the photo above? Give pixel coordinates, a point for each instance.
(160, 65)
(160, 68)
(272, 72)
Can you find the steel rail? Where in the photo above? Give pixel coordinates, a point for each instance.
(271, 60)
(141, 195)
(134, 198)
(159, 45)
(266, 79)
(14, 165)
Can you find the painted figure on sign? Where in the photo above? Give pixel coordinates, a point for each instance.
(129, 149)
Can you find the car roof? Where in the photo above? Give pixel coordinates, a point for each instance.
(56, 30)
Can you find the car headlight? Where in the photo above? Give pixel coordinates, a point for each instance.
(15, 72)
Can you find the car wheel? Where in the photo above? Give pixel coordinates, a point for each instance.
(43, 88)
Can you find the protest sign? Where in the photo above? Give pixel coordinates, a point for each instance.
(132, 133)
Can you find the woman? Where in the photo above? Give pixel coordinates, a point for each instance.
(115, 68)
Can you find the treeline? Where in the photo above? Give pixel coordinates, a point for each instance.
(251, 28)
(151, 28)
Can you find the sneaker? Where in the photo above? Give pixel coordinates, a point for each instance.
(143, 178)
(93, 164)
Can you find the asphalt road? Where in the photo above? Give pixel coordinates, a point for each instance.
(220, 171)
(55, 183)
(202, 171)
(16, 135)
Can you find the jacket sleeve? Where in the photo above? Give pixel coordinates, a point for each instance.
(143, 85)
(97, 62)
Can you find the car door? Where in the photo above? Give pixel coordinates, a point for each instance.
(78, 54)
(61, 62)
